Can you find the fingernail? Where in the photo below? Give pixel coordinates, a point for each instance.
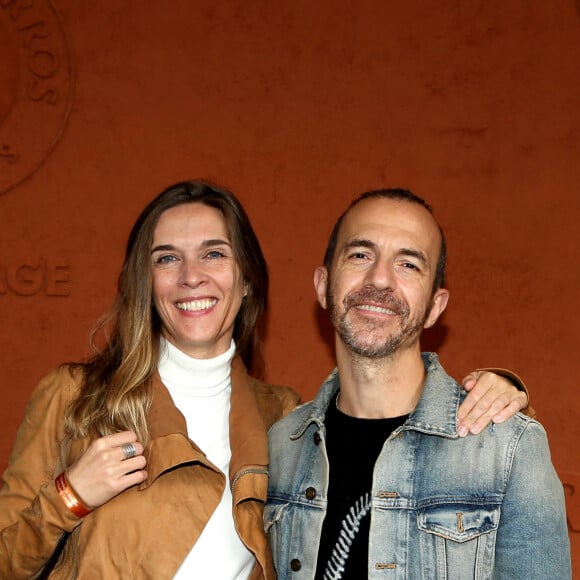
(462, 431)
(498, 419)
(476, 428)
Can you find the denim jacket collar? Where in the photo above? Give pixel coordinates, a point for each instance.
(436, 411)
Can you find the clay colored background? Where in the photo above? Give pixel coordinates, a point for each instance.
(297, 107)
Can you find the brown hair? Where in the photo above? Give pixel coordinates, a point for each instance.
(115, 393)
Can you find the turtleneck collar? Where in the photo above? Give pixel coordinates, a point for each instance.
(192, 376)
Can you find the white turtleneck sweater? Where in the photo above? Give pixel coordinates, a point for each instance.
(201, 389)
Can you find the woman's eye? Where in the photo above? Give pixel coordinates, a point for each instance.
(164, 259)
(215, 254)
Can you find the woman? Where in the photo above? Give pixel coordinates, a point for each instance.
(150, 460)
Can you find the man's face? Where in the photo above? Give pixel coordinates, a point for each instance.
(379, 291)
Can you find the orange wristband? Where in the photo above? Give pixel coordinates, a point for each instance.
(69, 497)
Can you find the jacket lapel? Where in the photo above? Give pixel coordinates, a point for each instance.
(169, 444)
(248, 437)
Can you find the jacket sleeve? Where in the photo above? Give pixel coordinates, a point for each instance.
(532, 538)
(32, 515)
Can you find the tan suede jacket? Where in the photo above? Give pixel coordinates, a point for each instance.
(146, 531)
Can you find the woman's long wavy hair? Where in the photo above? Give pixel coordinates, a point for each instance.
(115, 392)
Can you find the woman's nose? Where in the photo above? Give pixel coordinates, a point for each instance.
(191, 274)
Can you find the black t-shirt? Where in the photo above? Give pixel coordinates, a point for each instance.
(353, 446)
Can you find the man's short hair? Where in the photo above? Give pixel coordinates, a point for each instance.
(396, 194)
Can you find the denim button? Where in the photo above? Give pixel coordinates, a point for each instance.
(317, 438)
(295, 565)
(310, 493)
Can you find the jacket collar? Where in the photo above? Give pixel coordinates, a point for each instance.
(316, 410)
(248, 433)
(436, 411)
(170, 445)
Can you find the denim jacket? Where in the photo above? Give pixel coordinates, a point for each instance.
(443, 507)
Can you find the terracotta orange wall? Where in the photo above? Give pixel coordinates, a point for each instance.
(297, 107)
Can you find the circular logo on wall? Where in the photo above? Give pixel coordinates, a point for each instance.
(35, 87)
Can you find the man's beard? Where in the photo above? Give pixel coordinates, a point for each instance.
(354, 333)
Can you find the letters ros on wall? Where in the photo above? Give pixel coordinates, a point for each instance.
(35, 87)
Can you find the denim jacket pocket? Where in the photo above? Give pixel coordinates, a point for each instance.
(458, 522)
(459, 539)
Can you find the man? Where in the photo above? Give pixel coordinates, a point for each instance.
(372, 478)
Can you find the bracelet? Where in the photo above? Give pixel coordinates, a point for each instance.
(69, 497)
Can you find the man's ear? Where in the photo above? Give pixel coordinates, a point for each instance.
(320, 284)
(438, 305)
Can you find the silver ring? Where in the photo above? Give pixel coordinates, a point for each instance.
(129, 450)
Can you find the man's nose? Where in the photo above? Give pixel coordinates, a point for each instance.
(381, 275)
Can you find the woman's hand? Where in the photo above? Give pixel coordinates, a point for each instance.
(104, 471)
(490, 398)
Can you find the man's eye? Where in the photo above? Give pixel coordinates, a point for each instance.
(358, 256)
(410, 266)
